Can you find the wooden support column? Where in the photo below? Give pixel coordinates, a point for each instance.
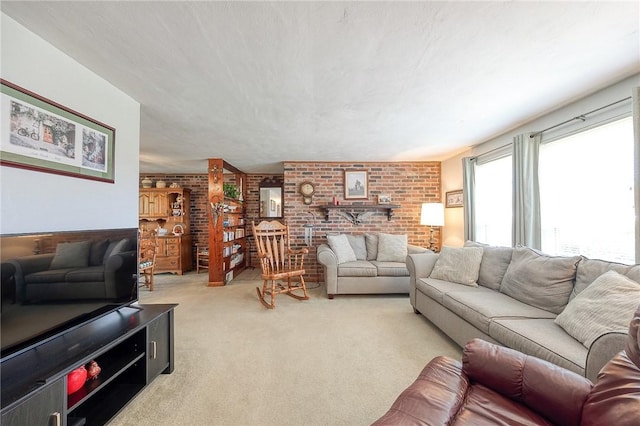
(216, 195)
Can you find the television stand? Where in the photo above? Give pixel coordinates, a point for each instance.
(132, 345)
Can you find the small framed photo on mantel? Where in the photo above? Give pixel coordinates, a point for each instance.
(454, 198)
(384, 199)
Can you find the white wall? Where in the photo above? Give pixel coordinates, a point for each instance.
(453, 233)
(35, 201)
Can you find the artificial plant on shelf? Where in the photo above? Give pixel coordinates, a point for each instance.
(230, 191)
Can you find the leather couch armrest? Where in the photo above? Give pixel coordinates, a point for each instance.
(434, 398)
(329, 260)
(603, 349)
(552, 391)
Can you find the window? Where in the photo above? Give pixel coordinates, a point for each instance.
(587, 193)
(493, 201)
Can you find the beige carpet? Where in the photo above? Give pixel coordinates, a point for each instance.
(315, 362)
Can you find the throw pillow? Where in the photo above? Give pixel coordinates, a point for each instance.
(358, 245)
(341, 247)
(495, 261)
(71, 255)
(371, 241)
(540, 280)
(606, 305)
(392, 248)
(458, 264)
(97, 251)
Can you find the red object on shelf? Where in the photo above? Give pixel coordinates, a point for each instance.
(76, 379)
(93, 369)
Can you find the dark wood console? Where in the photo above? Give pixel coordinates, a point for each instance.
(132, 345)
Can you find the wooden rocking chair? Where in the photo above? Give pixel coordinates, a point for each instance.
(281, 266)
(147, 249)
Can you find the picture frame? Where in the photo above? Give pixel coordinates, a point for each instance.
(41, 135)
(356, 184)
(454, 198)
(384, 199)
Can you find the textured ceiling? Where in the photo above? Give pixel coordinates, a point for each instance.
(259, 83)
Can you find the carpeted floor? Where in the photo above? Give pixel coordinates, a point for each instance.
(315, 362)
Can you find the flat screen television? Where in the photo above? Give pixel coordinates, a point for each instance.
(53, 282)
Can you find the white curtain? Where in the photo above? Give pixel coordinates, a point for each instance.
(526, 192)
(468, 191)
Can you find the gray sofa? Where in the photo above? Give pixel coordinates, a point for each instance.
(77, 270)
(369, 263)
(517, 296)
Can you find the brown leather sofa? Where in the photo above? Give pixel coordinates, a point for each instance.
(495, 385)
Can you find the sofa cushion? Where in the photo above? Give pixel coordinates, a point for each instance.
(71, 255)
(606, 305)
(481, 307)
(590, 269)
(391, 269)
(371, 241)
(459, 265)
(436, 289)
(97, 251)
(341, 247)
(392, 248)
(495, 261)
(90, 274)
(358, 245)
(49, 276)
(357, 268)
(542, 338)
(540, 280)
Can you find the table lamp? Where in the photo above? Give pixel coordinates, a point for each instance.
(432, 215)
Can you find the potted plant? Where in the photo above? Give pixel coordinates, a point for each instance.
(230, 191)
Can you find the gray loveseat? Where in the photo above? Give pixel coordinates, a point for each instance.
(516, 296)
(366, 263)
(77, 270)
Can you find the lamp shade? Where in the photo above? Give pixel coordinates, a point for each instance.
(432, 214)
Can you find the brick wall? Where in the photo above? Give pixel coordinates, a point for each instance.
(409, 184)
(198, 183)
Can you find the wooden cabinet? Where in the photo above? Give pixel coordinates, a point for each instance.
(132, 345)
(168, 208)
(174, 254)
(153, 203)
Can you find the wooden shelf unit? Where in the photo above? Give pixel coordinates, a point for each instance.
(227, 230)
(170, 205)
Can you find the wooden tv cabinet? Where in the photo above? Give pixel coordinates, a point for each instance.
(132, 345)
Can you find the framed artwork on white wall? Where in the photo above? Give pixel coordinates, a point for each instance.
(42, 135)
